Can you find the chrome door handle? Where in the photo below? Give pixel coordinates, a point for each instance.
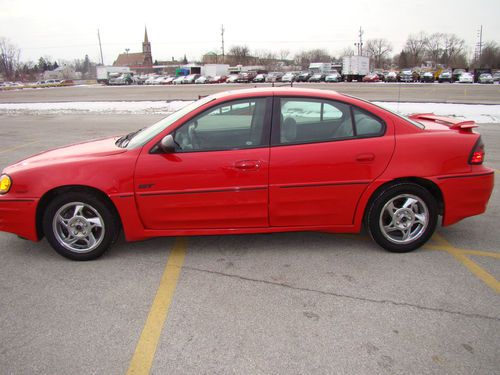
(247, 164)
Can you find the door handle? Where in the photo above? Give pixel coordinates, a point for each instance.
(247, 164)
(365, 157)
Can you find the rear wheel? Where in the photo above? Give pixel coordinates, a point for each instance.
(79, 226)
(402, 217)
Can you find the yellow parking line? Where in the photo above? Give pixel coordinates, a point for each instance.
(476, 270)
(146, 347)
(18, 146)
(473, 267)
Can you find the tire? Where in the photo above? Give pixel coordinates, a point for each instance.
(402, 217)
(80, 226)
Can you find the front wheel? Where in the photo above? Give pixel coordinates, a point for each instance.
(403, 217)
(79, 226)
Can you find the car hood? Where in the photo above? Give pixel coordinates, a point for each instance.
(85, 150)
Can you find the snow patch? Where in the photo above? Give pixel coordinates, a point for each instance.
(478, 112)
(143, 107)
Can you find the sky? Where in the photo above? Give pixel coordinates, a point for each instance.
(68, 29)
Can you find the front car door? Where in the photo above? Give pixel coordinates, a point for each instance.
(218, 175)
(324, 154)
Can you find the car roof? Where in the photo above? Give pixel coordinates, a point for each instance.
(268, 91)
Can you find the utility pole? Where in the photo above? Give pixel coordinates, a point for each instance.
(222, 36)
(479, 46)
(360, 44)
(100, 46)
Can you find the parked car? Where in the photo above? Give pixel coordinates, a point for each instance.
(274, 77)
(338, 163)
(52, 81)
(496, 77)
(288, 77)
(406, 75)
(485, 78)
(122, 79)
(427, 77)
(455, 76)
(445, 76)
(169, 80)
(218, 79)
(391, 77)
(232, 78)
(202, 80)
(372, 77)
(317, 77)
(190, 78)
(260, 78)
(466, 78)
(66, 82)
(150, 80)
(333, 77)
(304, 77)
(178, 80)
(246, 77)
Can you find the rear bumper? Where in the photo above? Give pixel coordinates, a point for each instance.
(18, 216)
(465, 195)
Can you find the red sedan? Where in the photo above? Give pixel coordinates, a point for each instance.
(254, 161)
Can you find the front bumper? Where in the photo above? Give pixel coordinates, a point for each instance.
(18, 216)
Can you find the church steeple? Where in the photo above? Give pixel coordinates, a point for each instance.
(146, 49)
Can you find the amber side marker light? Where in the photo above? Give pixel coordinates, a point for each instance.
(477, 154)
(5, 184)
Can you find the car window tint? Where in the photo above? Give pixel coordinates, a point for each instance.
(233, 125)
(308, 120)
(366, 124)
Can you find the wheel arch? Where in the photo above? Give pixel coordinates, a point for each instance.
(51, 194)
(429, 185)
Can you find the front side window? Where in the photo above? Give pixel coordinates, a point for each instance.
(228, 126)
(311, 120)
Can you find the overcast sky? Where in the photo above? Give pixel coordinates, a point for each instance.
(68, 29)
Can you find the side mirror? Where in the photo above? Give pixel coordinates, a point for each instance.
(167, 144)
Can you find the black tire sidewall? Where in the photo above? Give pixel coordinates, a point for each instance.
(372, 218)
(104, 210)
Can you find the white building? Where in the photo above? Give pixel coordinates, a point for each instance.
(62, 72)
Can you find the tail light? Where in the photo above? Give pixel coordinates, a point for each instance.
(477, 154)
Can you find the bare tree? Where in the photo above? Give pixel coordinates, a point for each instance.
(348, 51)
(9, 59)
(240, 54)
(434, 46)
(454, 50)
(490, 56)
(305, 58)
(378, 50)
(414, 48)
(283, 54)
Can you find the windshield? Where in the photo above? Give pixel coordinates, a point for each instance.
(152, 131)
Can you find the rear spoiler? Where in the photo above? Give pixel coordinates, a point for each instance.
(451, 122)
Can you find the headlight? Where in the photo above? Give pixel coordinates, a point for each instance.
(5, 183)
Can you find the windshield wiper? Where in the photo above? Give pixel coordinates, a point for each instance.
(123, 141)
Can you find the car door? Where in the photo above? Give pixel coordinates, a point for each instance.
(218, 175)
(324, 154)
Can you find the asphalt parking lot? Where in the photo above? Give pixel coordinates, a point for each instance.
(293, 303)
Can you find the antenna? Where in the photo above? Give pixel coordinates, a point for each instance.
(222, 37)
(100, 46)
(479, 45)
(360, 44)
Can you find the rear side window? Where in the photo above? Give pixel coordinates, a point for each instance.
(367, 124)
(312, 120)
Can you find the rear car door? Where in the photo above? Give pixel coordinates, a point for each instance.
(324, 154)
